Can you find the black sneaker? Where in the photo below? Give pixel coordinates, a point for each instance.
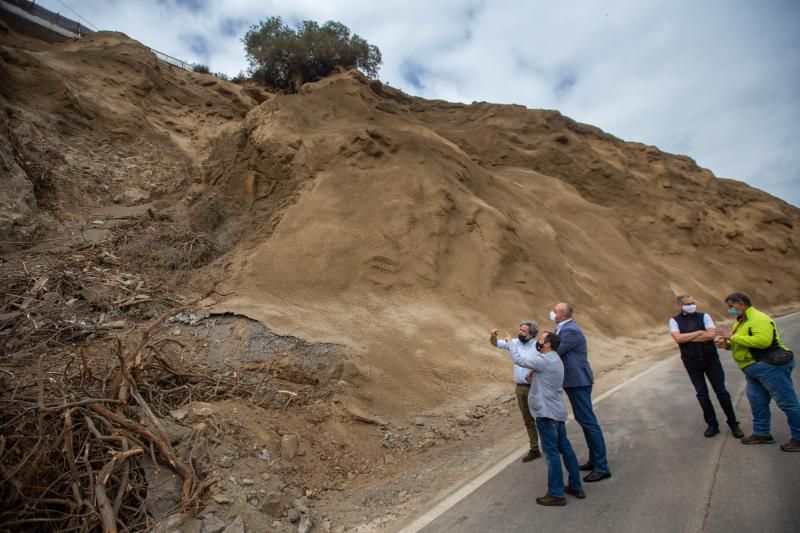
(736, 431)
(711, 431)
(578, 493)
(531, 455)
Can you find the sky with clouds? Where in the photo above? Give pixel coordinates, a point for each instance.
(718, 80)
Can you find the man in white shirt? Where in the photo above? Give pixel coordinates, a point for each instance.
(546, 402)
(694, 333)
(525, 343)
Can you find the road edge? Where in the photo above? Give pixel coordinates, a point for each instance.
(472, 485)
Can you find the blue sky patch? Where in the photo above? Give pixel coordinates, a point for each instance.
(565, 83)
(414, 73)
(198, 45)
(194, 6)
(232, 27)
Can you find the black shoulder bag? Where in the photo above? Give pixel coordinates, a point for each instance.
(773, 354)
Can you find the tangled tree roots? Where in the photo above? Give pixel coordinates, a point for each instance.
(74, 437)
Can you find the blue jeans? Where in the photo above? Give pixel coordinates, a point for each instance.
(767, 382)
(554, 443)
(581, 400)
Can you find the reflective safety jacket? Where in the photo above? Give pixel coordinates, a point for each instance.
(753, 330)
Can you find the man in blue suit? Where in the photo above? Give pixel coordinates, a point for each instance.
(578, 381)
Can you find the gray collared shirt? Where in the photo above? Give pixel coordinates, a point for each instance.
(546, 397)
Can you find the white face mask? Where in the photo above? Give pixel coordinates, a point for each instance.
(689, 308)
(553, 316)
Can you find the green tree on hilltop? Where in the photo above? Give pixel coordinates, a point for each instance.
(285, 58)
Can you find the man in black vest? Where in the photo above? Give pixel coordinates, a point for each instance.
(694, 334)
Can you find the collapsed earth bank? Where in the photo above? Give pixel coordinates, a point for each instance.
(330, 262)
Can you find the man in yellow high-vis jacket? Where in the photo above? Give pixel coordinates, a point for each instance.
(755, 330)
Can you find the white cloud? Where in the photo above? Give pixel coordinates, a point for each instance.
(715, 80)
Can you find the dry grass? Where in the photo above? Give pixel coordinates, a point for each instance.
(174, 248)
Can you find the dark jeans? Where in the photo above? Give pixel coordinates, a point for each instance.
(581, 400)
(521, 392)
(555, 444)
(701, 368)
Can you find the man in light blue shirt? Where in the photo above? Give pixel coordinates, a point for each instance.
(546, 402)
(525, 343)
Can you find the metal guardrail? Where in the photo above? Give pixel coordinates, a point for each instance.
(53, 21)
(69, 28)
(171, 60)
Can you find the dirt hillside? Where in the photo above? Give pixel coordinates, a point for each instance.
(411, 226)
(302, 285)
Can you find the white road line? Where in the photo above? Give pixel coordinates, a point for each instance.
(467, 489)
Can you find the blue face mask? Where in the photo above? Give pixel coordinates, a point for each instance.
(733, 312)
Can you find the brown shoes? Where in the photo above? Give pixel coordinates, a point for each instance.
(586, 467)
(531, 455)
(758, 439)
(792, 446)
(551, 501)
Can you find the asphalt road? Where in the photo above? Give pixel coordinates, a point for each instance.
(667, 477)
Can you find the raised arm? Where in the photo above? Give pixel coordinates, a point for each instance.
(532, 361)
(502, 344)
(493, 337)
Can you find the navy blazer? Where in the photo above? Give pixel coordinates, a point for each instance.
(575, 355)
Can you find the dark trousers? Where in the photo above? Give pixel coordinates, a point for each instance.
(581, 400)
(521, 392)
(701, 368)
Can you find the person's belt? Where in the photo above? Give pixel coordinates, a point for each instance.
(524, 384)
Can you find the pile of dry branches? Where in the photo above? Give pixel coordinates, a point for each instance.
(165, 246)
(75, 433)
(85, 393)
(69, 445)
(52, 299)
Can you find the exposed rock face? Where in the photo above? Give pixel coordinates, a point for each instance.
(98, 120)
